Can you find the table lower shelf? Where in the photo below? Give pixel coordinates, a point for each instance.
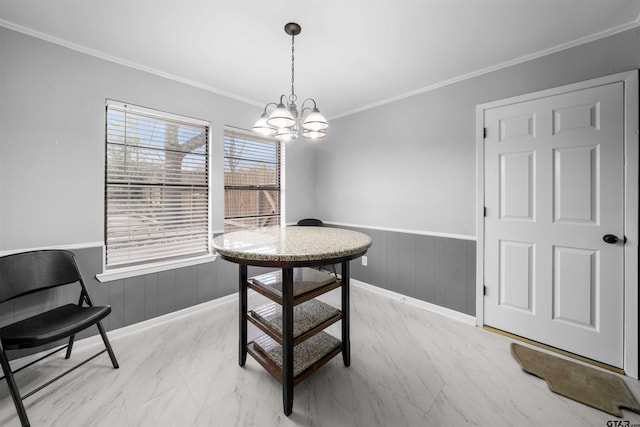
(308, 356)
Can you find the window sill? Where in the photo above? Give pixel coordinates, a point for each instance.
(124, 273)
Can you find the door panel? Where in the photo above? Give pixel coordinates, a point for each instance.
(553, 187)
(575, 190)
(517, 127)
(516, 186)
(575, 284)
(576, 117)
(516, 275)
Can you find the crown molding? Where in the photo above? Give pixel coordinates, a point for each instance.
(124, 62)
(111, 58)
(583, 40)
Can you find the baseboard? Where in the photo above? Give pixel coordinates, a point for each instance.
(433, 308)
(96, 340)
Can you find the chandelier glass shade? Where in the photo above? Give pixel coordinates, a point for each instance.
(284, 121)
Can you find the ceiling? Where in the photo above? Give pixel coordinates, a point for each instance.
(351, 55)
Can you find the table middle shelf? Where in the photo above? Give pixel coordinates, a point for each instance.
(310, 318)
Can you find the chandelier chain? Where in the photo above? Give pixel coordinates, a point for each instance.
(293, 97)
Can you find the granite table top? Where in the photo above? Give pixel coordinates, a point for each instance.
(295, 245)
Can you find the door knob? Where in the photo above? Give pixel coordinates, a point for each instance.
(610, 238)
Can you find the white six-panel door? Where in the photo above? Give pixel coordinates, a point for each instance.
(554, 174)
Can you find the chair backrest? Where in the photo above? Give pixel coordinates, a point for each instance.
(28, 272)
(311, 222)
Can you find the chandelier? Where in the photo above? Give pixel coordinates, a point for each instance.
(284, 122)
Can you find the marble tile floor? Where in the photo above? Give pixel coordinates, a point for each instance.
(409, 367)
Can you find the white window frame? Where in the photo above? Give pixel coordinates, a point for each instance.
(109, 274)
(281, 167)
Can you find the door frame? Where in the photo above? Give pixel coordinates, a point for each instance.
(631, 187)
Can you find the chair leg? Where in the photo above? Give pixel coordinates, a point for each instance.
(13, 388)
(70, 346)
(114, 362)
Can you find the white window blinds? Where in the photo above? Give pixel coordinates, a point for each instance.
(157, 186)
(252, 193)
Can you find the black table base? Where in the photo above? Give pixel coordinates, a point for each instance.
(287, 331)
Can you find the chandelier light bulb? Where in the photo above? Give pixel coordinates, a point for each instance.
(315, 121)
(287, 134)
(262, 127)
(281, 118)
(314, 134)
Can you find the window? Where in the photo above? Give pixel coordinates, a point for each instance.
(252, 177)
(156, 187)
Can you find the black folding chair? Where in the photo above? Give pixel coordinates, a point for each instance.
(29, 272)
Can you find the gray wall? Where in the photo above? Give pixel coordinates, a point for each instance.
(134, 299)
(438, 270)
(300, 194)
(52, 140)
(52, 103)
(411, 164)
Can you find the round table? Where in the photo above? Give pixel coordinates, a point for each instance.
(291, 246)
(287, 248)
